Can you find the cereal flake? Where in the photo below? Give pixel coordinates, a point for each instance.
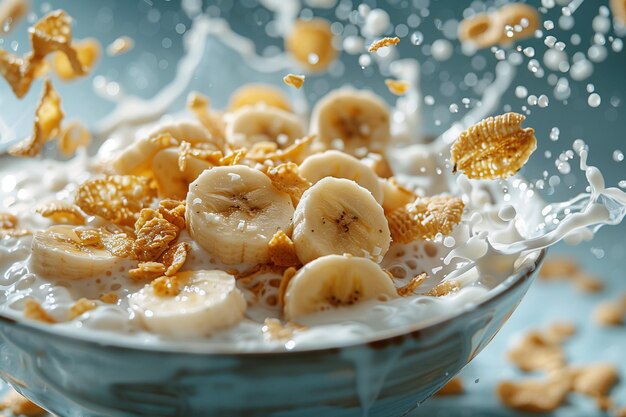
(282, 250)
(380, 43)
(61, 212)
(294, 80)
(286, 178)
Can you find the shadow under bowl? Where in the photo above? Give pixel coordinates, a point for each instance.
(73, 377)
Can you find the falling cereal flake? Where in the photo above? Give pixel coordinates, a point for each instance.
(121, 45)
(376, 45)
(294, 80)
(397, 87)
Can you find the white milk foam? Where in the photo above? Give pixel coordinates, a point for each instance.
(492, 243)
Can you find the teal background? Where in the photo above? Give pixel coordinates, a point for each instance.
(152, 62)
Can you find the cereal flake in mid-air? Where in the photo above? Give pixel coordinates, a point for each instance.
(397, 87)
(381, 43)
(48, 117)
(495, 148)
(294, 80)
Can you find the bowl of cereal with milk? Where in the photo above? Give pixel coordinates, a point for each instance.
(261, 258)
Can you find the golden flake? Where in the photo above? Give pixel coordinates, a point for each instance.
(381, 43)
(61, 212)
(397, 87)
(286, 178)
(414, 284)
(80, 307)
(282, 250)
(294, 80)
(497, 147)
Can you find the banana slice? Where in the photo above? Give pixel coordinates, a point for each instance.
(355, 120)
(337, 216)
(336, 281)
(137, 158)
(260, 123)
(57, 253)
(171, 181)
(233, 212)
(208, 301)
(341, 165)
(251, 94)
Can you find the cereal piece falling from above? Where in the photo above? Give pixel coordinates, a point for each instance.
(453, 387)
(48, 117)
(495, 148)
(397, 87)
(380, 43)
(72, 137)
(294, 80)
(87, 52)
(120, 46)
(20, 405)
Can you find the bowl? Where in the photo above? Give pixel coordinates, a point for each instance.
(385, 377)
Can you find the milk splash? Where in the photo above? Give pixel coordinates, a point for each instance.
(490, 244)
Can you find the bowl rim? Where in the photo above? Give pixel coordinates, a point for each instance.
(507, 285)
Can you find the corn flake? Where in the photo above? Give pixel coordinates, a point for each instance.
(595, 380)
(8, 221)
(286, 178)
(609, 314)
(47, 123)
(444, 288)
(147, 270)
(294, 80)
(380, 43)
(117, 198)
(199, 105)
(20, 405)
(174, 257)
(87, 53)
(496, 147)
(413, 285)
(34, 311)
(72, 137)
(425, 218)
(154, 234)
(109, 297)
(173, 211)
(453, 387)
(80, 307)
(167, 286)
(61, 212)
(282, 250)
(397, 87)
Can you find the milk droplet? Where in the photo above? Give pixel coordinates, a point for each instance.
(521, 91)
(507, 213)
(417, 38)
(618, 156)
(617, 45)
(442, 49)
(594, 100)
(532, 100)
(365, 60)
(550, 41)
(376, 23)
(353, 45)
(554, 134)
(622, 184)
(548, 25)
(429, 100)
(449, 241)
(454, 108)
(597, 53)
(543, 101)
(529, 51)
(581, 70)
(601, 24)
(563, 167)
